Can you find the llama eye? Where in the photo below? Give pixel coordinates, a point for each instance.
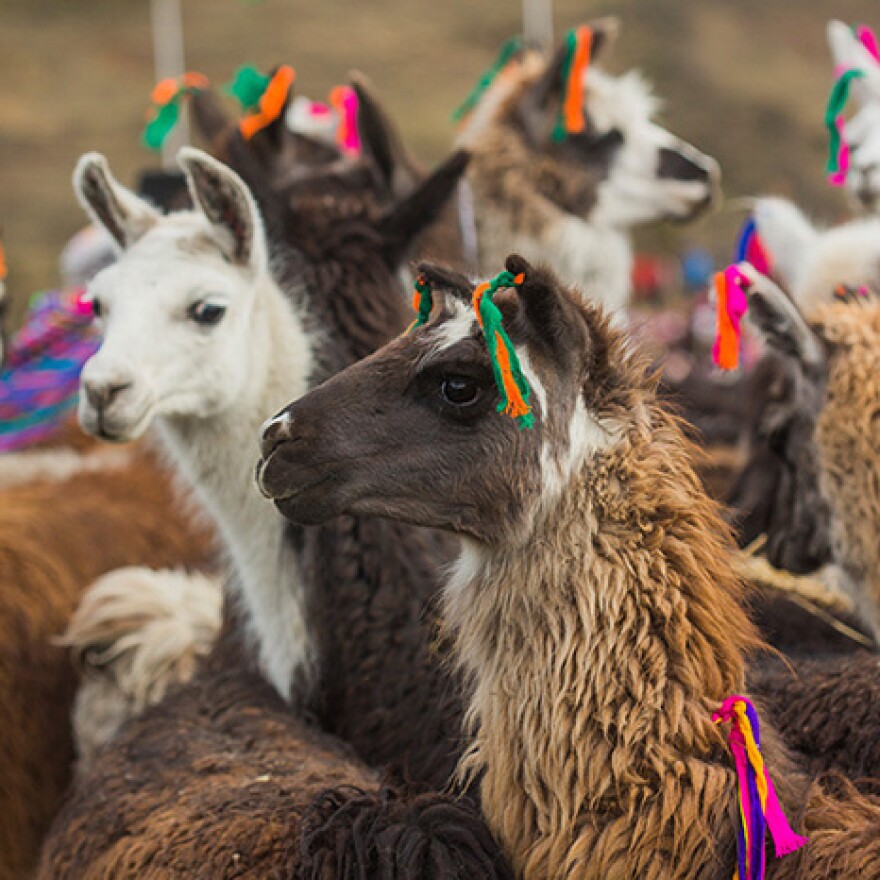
(97, 308)
(206, 313)
(460, 391)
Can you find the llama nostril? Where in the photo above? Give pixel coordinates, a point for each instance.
(101, 396)
(274, 434)
(674, 165)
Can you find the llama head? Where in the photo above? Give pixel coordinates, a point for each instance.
(176, 308)
(811, 263)
(863, 129)
(423, 411)
(620, 170)
(275, 148)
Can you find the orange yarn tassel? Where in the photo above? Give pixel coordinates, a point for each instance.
(573, 109)
(272, 103)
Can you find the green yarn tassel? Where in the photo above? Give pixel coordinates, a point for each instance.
(248, 86)
(836, 103)
(425, 302)
(509, 48)
(161, 125)
(493, 331)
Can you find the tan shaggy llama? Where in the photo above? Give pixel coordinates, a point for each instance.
(593, 606)
(833, 348)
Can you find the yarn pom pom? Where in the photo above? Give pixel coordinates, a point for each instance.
(166, 97)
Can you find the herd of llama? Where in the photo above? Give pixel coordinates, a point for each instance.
(386, 551)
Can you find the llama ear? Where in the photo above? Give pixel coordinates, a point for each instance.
(409, 216)
(381, 140)
(547, 312)
(125, 216)
(787, 235)
(540, 101)
(848, 52)
(780, 321)
(221, 195)
(211, 120)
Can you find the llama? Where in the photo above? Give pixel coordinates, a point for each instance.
(572, 203)
(220, 779)
(136, 632)
(57, 536)
(863, 130)
(593, 607)
(835, 352)
(263, 344)
(776, 493)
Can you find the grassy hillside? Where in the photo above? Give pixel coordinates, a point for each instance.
(746, 80)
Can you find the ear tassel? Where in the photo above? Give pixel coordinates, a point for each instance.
(838, 149)
(269, 103)
(344, 101)
(423, 302)
(508, 50)
(869, 40)
(509, 378)
(166, 97)
(760, 810)
(731, 305)
(570, 119)
(750, 248)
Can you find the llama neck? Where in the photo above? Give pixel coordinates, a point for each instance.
(597, 652)
(217, 456)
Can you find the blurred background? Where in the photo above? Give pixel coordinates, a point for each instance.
(744, 80)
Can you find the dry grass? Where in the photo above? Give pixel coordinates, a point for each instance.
(744, 79)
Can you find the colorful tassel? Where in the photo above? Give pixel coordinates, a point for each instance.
(509, 377)
(759, 805)
(570, 119)
(166, 97)
(344, 101)
(838, 149)
(3, 267)
(505, 55)
(271, 102)
(423, 302)
(731, 304)
(750, 248)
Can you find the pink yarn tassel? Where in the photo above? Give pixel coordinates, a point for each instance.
(838, 177)
(344, 100)
(869, 40)
(785, 839)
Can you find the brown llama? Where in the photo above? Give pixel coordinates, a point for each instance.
(55, 538)
(573, 201)
(593, 608)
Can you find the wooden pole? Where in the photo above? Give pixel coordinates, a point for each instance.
(538, 23)
(168, 57)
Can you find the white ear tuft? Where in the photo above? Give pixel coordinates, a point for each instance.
(787, 235)
(124, 215)
(224, 199)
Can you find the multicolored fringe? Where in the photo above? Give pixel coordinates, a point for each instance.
(423, 302)
(40, 382)
(509, 378)
(759, 805)
(731, 304)
(750, 248)
(343, 99)
(264, 97)
(509, 49)
(167, 96)
(570, 119)
(838, 148)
